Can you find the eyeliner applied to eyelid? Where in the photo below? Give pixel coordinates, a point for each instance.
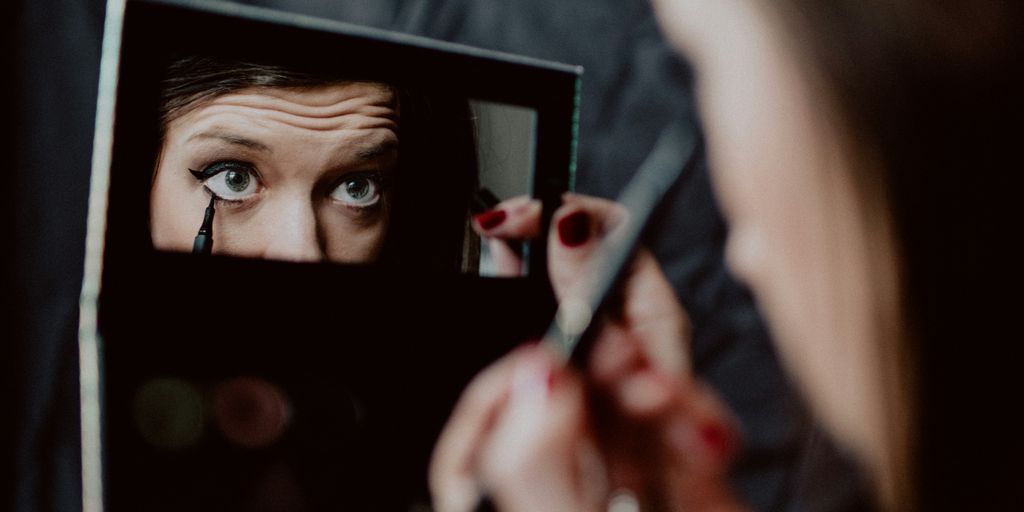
(202, 175)
(218, 167)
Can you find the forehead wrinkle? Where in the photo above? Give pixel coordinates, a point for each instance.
(365, 117)
(297, 108)
(370, 137)
(327, 101)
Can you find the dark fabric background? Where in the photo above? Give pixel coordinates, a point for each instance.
(632, 86)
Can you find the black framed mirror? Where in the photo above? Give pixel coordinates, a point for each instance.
(309, 361)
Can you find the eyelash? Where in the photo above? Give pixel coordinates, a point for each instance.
(209, 171)
(378, 178)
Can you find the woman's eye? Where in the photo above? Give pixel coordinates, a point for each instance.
(360, 191)
(231, 181)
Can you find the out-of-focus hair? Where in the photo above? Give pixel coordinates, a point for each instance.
(930, 93)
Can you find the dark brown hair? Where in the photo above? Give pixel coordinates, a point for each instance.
(931, 91)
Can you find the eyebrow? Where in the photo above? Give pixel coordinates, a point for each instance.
(373, 151)
(232, 139)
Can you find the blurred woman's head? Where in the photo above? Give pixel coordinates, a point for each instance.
(307, 166)
(849, 143)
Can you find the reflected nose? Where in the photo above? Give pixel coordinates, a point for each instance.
(291, 232)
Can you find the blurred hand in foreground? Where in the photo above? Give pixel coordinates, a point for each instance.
(633, 429)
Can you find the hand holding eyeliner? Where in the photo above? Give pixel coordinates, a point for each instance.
(484, 200)
(203, 243)
(577, 319)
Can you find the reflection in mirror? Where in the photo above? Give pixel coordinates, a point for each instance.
(505, 151)
(265, 161)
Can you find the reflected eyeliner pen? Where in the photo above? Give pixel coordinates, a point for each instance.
(572, 332)
(203, 244)
(576, 321)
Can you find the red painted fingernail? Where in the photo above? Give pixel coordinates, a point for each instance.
(553, 378)
(491, 219)
(574, 229)
(716, 439)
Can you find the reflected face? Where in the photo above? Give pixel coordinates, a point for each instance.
(299, 174)
(797, 227)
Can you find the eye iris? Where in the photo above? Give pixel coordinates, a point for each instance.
(357, 189)
(236, 181)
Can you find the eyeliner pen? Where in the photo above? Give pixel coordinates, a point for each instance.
(575, 323)
(573, 330)
(203, 244)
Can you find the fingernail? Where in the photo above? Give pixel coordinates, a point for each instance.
(553, 378)
(491, 219)
(574, 229)
(716, 439)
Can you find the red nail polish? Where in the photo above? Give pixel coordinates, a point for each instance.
(717, 439)
(491, 219)
(553, 379)
(574, 229)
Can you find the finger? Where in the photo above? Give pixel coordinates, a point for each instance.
(451, 479)
(517, 218)
(652, 313)
(698, 433)
(650, 306)
(505, 261)
(578, 226)
(683, 441)
(699, 440)
(652, 330)
(534, 454)
(614, 355)
(700, 424)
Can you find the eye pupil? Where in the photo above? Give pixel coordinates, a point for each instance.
(236, 181)
(357, 189)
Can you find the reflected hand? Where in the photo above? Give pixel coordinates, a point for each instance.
(508, 222)
(536, 436)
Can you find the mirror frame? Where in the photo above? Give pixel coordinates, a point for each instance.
(140, 37)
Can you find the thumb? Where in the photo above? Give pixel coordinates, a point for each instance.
(699, 440)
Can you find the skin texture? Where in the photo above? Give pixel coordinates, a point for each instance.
(304, 148)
